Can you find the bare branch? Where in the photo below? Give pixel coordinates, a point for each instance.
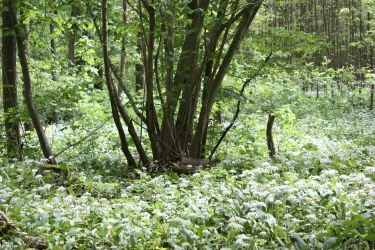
(84, 138)
(245, 83)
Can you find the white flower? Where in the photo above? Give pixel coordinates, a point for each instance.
(370, 170)
(311, 217)
(288, 216)
(292, 198)
(47, 187)
(331, 217)
(278, 202)
(97, 178)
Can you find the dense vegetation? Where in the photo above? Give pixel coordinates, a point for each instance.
(308, 63)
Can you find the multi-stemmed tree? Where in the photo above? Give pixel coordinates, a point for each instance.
(185, 64)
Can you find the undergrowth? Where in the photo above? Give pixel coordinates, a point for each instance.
(318, 192)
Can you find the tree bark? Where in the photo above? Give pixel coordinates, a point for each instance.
(72, 33)
(372, 97)
(270, 144)
(52, 40)
(123, 47)
(27, 86)
(152, 121)
(207, 103)
(9, 75)
(116, 101)
(111, 90)
(168, 134)
(139, 68)
(188, 75)
(27, 125)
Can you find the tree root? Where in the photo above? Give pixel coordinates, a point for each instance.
(190, 165)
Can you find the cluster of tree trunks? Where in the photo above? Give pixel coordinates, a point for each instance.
(182, 132)
(184, 79)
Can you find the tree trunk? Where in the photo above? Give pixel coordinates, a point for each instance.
(152, 122)
(112, 93)
(27, 86)
(117, 103)
(9, 75)
(181, 94)
(167, 127)
(27, 125)
(270, 144)
(212, 89)
(372, 97)
(53, 41)
(139, 68)
(123, 47)
(72, 33)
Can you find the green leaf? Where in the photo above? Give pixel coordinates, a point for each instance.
(331, 242)
(370, 237)
(298, 242)
(200, 231)
(279, 232)
(231, 234)
(70, 244)
(174, 176)
(350, 223)
(133, 241)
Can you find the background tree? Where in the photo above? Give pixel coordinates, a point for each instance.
(27, 83)
(9, 76)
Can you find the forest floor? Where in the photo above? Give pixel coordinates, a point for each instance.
(318, 192)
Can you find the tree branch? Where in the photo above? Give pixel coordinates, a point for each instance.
(84, 138)
(245, 83)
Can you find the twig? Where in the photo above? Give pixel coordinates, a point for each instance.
(245, 83)
(114, 71)
(5, 218)
(84, 138)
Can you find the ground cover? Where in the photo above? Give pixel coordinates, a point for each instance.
(317, 193)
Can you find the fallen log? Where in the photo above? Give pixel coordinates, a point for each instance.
(11, 230)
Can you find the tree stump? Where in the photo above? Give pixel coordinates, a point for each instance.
(270, 144)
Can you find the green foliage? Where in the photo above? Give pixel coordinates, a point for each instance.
(316, 193)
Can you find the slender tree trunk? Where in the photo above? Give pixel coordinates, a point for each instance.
(123, 47)
(188, 75)
(112, 93)
(139, 68)
(168, 132)
(152, 122)
(117, 103)
(372, 97)
(247, 18)
(27, 125)
(53, 41)
(9, 75)
(27, 86)
(270, 143)
(72, 33)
